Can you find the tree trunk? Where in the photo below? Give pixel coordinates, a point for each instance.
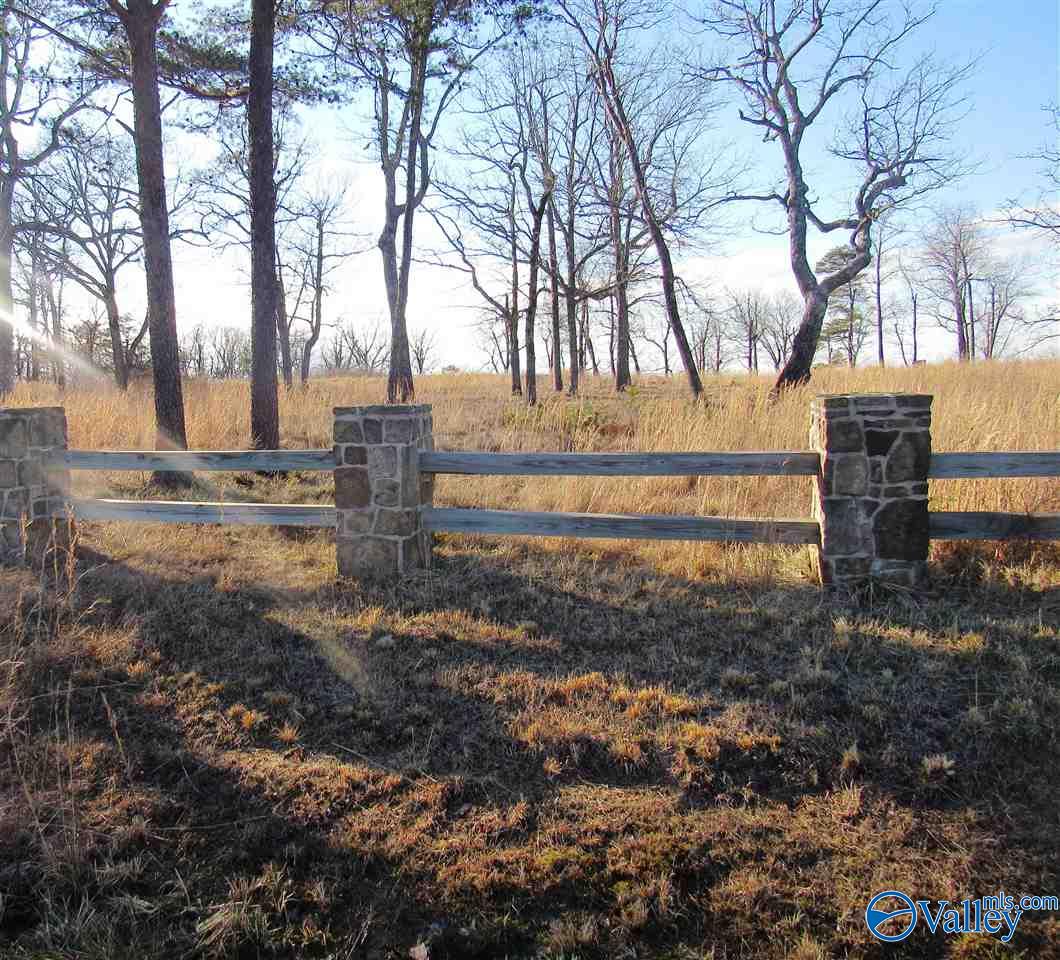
(117, 348)
(399, 385)
(576, 354)
(537, 214)
(141, 24)
(7, 330)
(796, 370)
(317, 321)
(283, 333)
(553, 263)
(264, 404)
(879, 307)
(587, 338)
(513, 316)
(621, 306)
(915, 345)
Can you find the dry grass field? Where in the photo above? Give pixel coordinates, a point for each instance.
(211, 747)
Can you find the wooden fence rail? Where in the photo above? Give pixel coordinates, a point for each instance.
(795, 463)
(983, 525)
(798, 463)
(970, 466)
(620, 527)
(186, 511)
(269, 461)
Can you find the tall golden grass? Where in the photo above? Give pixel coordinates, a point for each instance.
(986, 406)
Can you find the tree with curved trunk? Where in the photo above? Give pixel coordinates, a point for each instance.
(795, 60)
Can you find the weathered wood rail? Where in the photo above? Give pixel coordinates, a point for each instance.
(872, 466)
(619, 526)
(796, 463)
(269, 461)
(985, 525)
(188, 511)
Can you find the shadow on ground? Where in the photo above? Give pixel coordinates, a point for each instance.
(521, 753)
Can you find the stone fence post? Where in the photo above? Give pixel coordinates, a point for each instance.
(380, 494)
(31, 491)
(872, 493)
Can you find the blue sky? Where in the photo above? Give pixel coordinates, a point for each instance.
(1016, 76)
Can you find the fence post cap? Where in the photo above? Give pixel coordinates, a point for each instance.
(383, 410)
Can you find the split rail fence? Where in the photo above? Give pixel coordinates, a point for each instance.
(871, 464)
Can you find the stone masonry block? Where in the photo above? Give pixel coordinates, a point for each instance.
(399, 431)
(901, 530)
(354, 455)
(367, 558)
(873, 403)
(382, 462)
(373, 430)
(30, 473)
(835, 405)
(16, 504)
(13, 437)
(879, 442)
(850, 475)
(843, 531)
(387, 493)
(396, 523)
(410, 477)
(348, 431)
(352, 488)
(8, 473)
(357, 522)
(843, 436)
(910, 458)
(845, 568)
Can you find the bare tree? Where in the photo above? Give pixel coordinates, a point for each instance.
(85, 212)
(602, 26)
(30, 102)
(424, 345)
(846, 304)
(366, 346)
(783, 311)
(414, 58)
(1044, 214)
(225, 208)
(794, 61)
(323, 243)
(230, 353)
(748, 311)
(706, 326)
(909, 338)
(1006, 324)
(954, 250)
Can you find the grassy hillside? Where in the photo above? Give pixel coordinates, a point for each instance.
(209, 746)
